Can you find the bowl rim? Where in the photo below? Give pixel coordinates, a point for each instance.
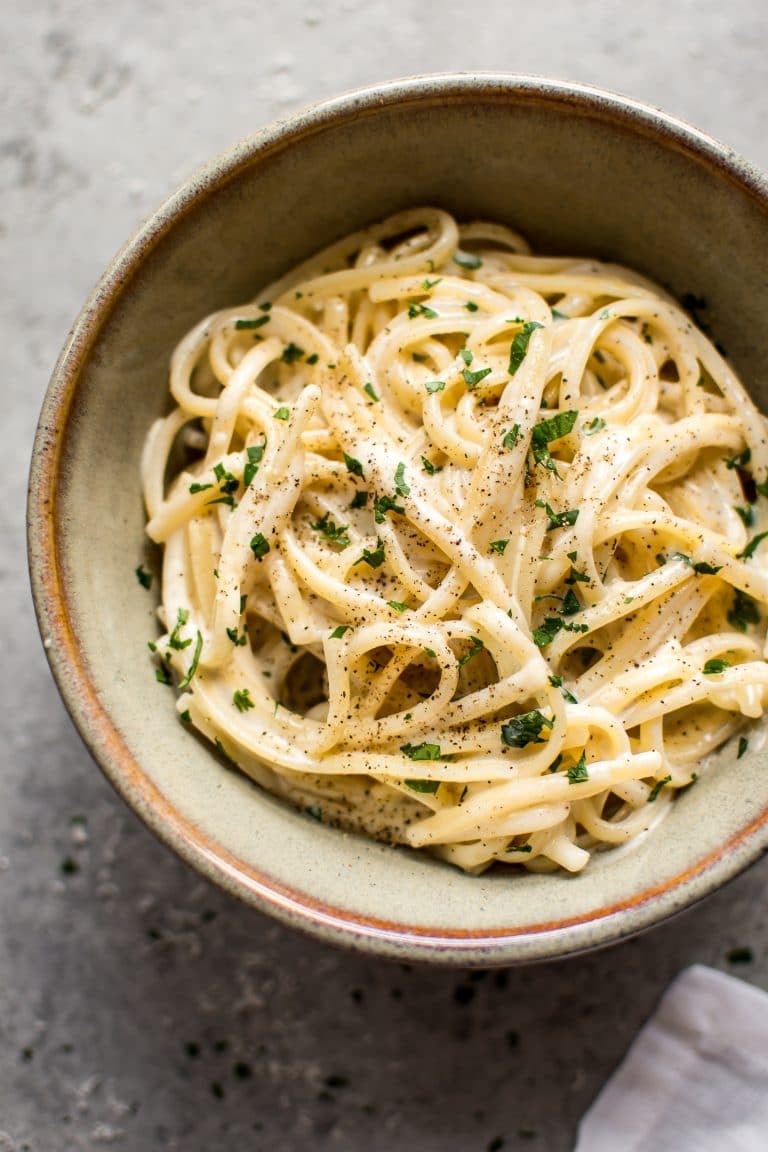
(505, 945)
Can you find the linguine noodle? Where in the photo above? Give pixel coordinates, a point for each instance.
(463, 545)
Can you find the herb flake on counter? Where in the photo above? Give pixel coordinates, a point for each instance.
(143, 576)
(743, 745)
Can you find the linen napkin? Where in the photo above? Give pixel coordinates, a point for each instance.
(696, 1077)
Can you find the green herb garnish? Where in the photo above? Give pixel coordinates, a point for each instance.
(282, 413)
(558, 519)
(291, 353)
(144, 578)
(374, 558)
(354, 466)
(578, 772)
(546, 432)
(255, 455)
(499, 546)
(525, 729)
(430, 786)
(339, 631)
(371, 391)
(475, 645)
(713, 667)
(752, 547)
(236, 639)
(174, 640)
(429, 467)
(360, 499)
(397, 606)
(416, 309)
(242, 700)
(509, 439)
(743, 745)
(519, 349)
(259, 545)
(557, 682)
(743, 611)
(335, 534)
(595, 425)
(421, 751)
(433, 386)
(471, 306)
(739, 461)
(657, 788)
(195, 661)
(383, 504)
(401, 487)
(255, 323)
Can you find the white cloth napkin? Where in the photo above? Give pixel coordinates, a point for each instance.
(696, 1077)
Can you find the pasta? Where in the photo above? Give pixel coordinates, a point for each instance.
(463, 546)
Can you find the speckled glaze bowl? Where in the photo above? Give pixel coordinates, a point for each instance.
(575, 169)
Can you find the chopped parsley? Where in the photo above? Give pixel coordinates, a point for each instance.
(333, 533)
(185, 716)
(339, 631)
(746, 514)
(383, 504)
(421, 751)
(558, 519)
(595, 425)
(743, 611)
(471, 306)
(313, 359)
(291, 353)
(525, 729)
(571, 604)
(549, 628)
(242, 700)
(466, 356)
(257, 322)
(195, 488)
(467, 259)
(433, 386)
(144, 578)
(472, 379)
(509, 439)
(428, 284)
(713, 667)
(739, 461)
(519, 349)
(163, 673)
(429, 467)
(174, 641)
(752, 547)
(259, 545)
(236, 639)
(475, 645)
(557, 682)
(255, 455)
(578, 772)
(397, 606)
(354, 466)
(371, 391)
(375, 558)
(227, 482)
(657, 788)
(558, 315)
(401, 487)
(548, 431)
(701, 567)
(499, 546)
(360, 499)
(577, 577)
(415, 309)
(195, 661)
(282, 413)
(430, 786)
(743, 745)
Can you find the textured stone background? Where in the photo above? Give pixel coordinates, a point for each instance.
(138, 1006)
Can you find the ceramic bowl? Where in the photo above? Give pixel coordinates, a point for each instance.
(577, 171)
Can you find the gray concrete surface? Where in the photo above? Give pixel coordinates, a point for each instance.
(139, 1007)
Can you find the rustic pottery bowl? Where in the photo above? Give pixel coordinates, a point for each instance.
(575, 169)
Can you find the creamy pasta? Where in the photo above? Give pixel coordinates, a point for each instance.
(463, 546)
